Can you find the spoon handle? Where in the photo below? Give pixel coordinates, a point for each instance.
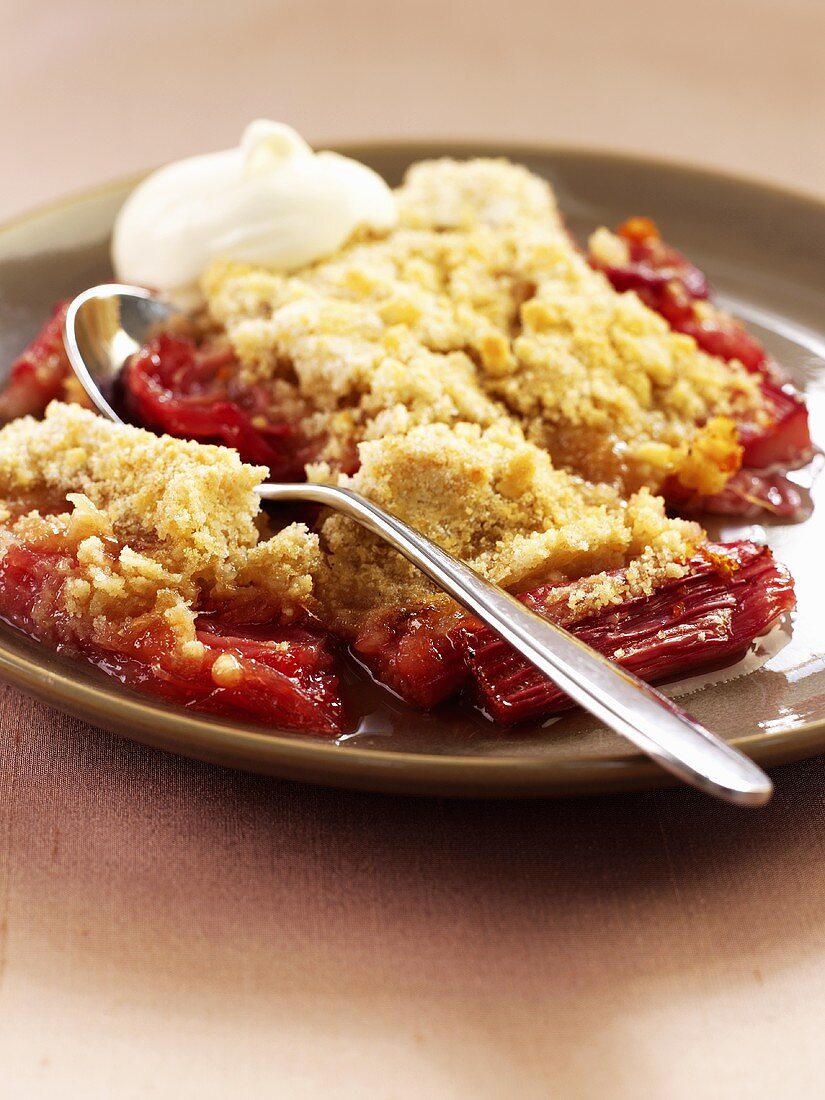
(634, 709)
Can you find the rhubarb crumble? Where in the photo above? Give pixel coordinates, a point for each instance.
(542, 412)
(480, 307)
(149, 555)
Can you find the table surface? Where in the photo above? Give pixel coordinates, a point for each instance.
(173, 929)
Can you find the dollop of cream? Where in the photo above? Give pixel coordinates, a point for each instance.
(271, 201)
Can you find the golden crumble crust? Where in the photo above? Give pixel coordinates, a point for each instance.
(502, 397)
(481, 267)
(156, 526)
(454, 194)
(196, 502)
(467, 352)
(493, 499)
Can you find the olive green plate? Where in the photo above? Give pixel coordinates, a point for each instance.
(763, 249)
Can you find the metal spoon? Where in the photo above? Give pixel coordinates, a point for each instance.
(107, 324)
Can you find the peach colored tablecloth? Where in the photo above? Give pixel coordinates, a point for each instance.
(170, 929)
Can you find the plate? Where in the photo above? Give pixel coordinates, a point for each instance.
(762, 248)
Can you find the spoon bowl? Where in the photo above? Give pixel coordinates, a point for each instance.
(108, 324)
(105, 327)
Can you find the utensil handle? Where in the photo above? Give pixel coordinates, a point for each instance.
(634, 709)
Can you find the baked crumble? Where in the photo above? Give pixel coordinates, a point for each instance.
(470, 370)
(481, 270)
(150, 517)
(493, 499)
(472, 341)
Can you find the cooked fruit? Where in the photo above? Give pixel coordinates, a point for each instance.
(732, 594)
(416, 654)
(172, 385)
(149, 556)
(39, 373)
(775, 435)
(283, 676)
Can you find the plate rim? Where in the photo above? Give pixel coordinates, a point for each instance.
(459, 147)
(303, 757)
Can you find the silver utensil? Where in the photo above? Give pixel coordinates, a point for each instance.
(107, 324)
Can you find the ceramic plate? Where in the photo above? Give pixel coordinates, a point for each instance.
(762, 248)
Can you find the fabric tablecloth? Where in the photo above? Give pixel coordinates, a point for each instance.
(173, 929)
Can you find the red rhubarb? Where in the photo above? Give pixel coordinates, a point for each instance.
(416, 654)
(779, 439)
(281, 675)
(192, 392)
(39, 373)
(732, 594)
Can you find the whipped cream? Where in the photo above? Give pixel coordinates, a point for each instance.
(271, 201)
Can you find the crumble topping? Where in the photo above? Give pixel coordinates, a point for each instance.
(593, 365)
(481, 270)
(500, 395)
(467, 353)
(608, 247)
(493, 499)
(452, 194)
(149, 526)
(469, 371)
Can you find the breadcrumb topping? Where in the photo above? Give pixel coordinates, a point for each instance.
(451, 194)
